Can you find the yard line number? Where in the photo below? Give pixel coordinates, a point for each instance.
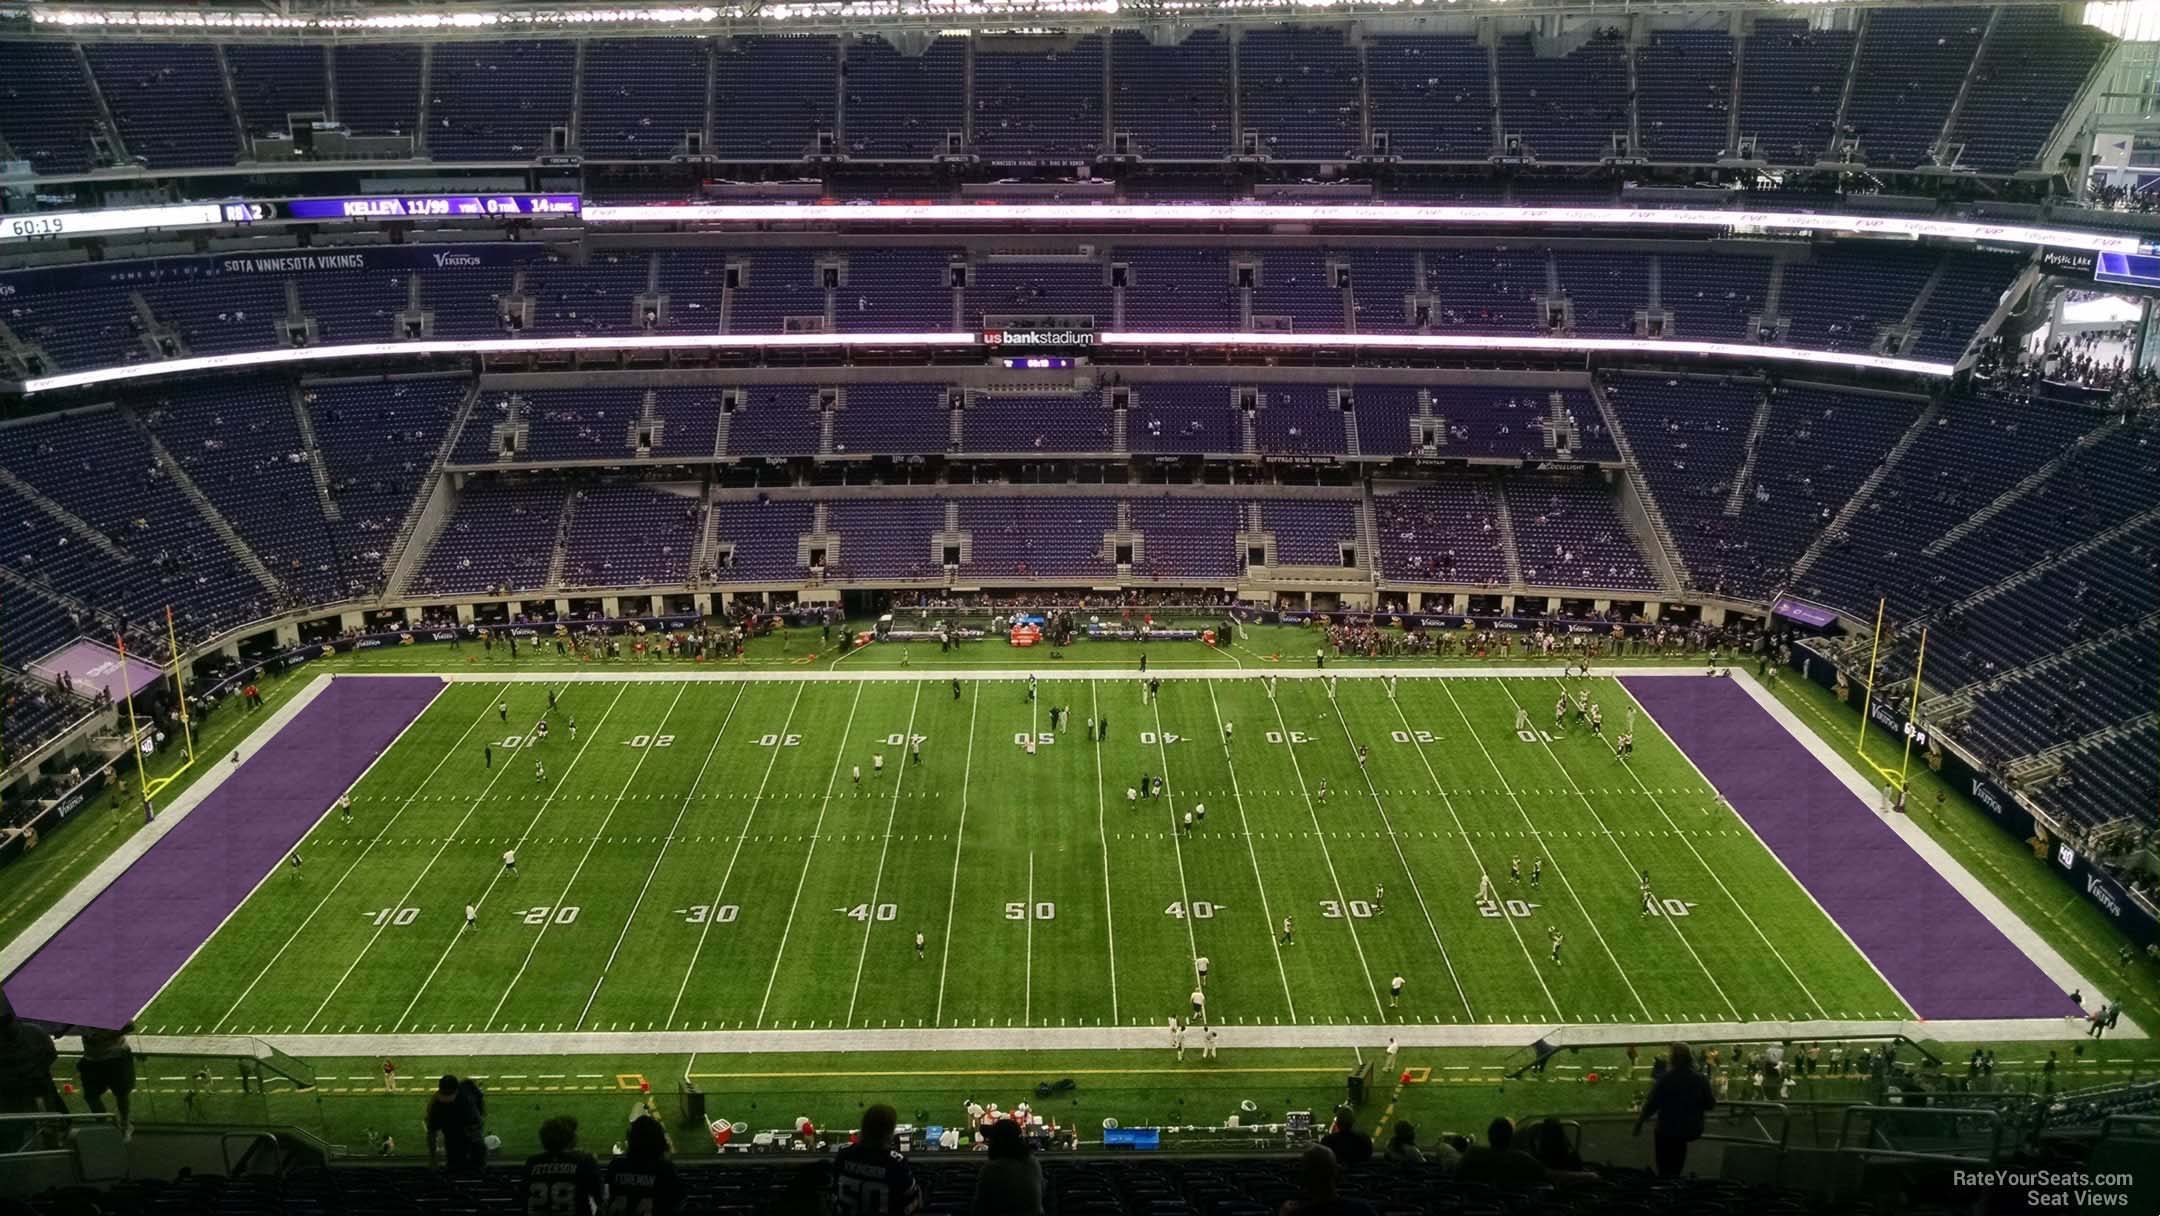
(698, 914)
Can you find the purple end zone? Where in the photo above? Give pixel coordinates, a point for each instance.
(106, 964)
(1933, 946)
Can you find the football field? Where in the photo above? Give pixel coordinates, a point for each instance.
(725, 854)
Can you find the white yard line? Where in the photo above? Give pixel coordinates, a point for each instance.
(1464, 831)
(478, 800)
(481, 902)
(1409, 872)
(1687, 840)
(1027, 998)
(1559, 870)
(1102, 836)
(816, 830)
(877, 884)
(404, 804)
(1177, 843)
(674, 830)
(637, 766)
(952, 895)
(1237, 798)
(1672, 922)
(1320, 835)
(712, 909)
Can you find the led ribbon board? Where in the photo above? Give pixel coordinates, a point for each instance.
(511, 346)
(1143, 214)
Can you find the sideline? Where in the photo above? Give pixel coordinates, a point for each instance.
(1090, 1038)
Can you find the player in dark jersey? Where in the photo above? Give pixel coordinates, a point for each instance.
(643, 1182)
(870, 1176)
(560, 1180)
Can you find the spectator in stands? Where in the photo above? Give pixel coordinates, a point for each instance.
(1678, 1101)
(1319, 1175)
(1403, 1148)
(1498, 1162)
(1549, 1143)
(1011, 1181)
(1350, 1146)
(560, 1180)
(108, 1067)
(456, 1119)
(26, 1060)
(870, 1176)
(642, 1178)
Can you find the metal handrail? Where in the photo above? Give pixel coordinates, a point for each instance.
(1993, 1119)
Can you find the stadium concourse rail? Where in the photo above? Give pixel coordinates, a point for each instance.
(1938, 936)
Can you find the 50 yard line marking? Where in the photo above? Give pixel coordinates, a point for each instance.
(1621, 849)
(839, 756)
(1559, 871)
(487, 707)
(1237, 798)
(530, 824)
(477, 802)
(673, 830)
(937, 1018)
(570, 884)
(749, 820)
(877, 884)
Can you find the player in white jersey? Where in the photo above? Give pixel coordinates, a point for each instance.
(540, 731)
(344, 809)
(1199, 1005)
(1559, 713)
(472, 917)
(1395, 987)
(1177, 1039)
(877, 764)
(539, 772)
(1485, 892)
(573, 728)
(1379, 899)
(1556, 941)
(1227, 729)
(1207, 1044)
(1200, 965)
(919, 943)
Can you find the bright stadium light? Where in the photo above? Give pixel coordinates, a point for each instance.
(1796, 222)
(1430, 342)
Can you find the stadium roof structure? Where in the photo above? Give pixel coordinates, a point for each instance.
(344, 19)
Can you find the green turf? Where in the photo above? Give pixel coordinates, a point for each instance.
(701, 857)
